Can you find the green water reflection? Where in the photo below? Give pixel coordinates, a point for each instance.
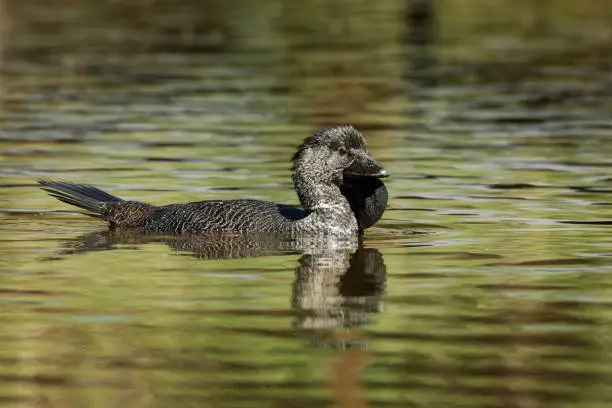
(492, 118)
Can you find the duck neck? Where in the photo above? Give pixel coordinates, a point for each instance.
(319, 194)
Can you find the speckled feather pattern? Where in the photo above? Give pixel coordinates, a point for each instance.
(223, 216)
(318, 169)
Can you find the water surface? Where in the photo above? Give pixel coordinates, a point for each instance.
(493, 119)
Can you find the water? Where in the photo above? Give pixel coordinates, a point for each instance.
(493, 119)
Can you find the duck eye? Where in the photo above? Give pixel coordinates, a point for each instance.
(342, 151)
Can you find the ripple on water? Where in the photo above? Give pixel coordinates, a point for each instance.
(485, 284)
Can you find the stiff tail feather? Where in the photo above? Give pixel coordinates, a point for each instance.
(80, 195)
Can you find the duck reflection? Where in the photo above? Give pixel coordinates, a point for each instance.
(337, 290)
(338, 283)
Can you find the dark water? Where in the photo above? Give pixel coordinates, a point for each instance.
(493, 119)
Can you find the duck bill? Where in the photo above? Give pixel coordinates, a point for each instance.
(365, 166)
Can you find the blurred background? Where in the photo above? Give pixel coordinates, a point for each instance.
(309, 63)
(492, 117)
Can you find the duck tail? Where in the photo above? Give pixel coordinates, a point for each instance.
(81, 195)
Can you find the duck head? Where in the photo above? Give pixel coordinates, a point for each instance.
(336, 152)
(338, 156)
